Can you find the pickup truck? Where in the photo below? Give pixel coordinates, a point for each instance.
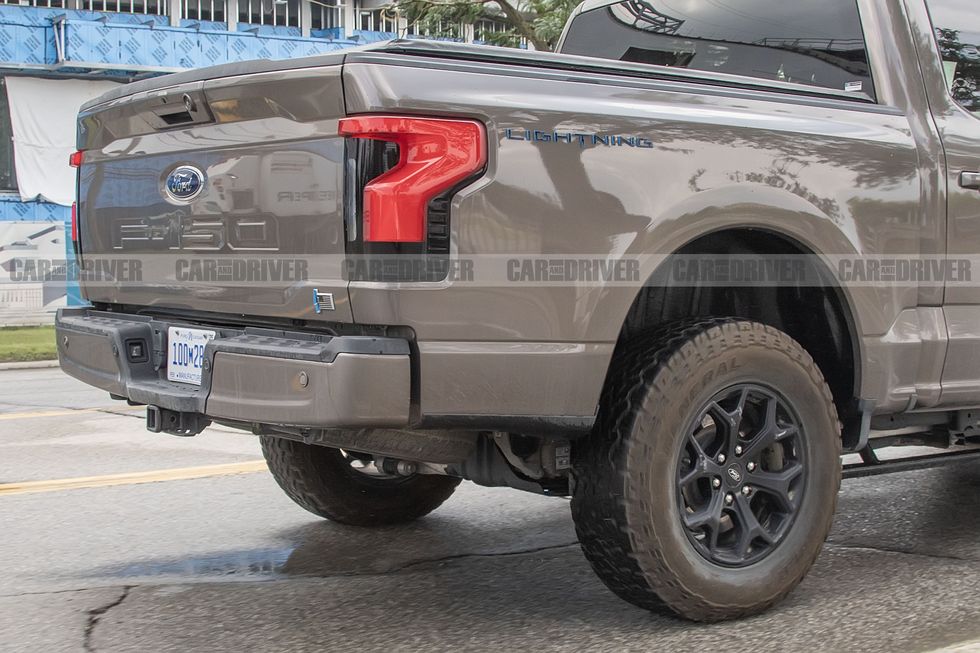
(419, 262)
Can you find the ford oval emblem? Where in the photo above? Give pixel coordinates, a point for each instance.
(184, 183)
(734, 474)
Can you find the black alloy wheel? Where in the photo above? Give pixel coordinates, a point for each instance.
(741, 475)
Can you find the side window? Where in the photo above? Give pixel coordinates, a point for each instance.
(957, 26)
(814, 42)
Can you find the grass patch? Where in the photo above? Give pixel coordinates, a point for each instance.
(27, 344)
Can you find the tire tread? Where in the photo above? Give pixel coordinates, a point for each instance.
(599, 505)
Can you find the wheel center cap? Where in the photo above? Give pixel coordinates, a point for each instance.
(735, 475)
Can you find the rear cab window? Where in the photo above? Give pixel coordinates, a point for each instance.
(957, 27)
(817, 43)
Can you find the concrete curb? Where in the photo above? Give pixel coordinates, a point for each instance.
(29, 365)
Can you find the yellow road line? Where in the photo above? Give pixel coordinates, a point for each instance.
(965, 647)
(61, 413)
(133, 478)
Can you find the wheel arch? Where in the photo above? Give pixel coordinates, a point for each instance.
(830, 335)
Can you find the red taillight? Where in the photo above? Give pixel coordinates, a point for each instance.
(75, 161)
(434, 155)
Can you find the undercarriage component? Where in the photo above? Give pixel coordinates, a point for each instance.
(535, 458)
(956, 425)
(957, 445)
(173, 422)
(394, 467)
(490, 466)
(499, 460)
(967, 424)
(430, 446)
(858, 470)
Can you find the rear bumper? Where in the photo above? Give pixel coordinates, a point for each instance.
(249, 375)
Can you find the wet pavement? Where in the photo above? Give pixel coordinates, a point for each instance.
(229, 562)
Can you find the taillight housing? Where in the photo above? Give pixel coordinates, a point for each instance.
(433, 156)
(75, 161)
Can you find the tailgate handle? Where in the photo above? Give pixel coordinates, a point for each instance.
(970, 180)
(174, 110)
(178, 118)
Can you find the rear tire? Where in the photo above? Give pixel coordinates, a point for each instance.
(668, 527)
(323, 481)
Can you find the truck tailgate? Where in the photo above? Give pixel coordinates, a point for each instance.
(228, 192)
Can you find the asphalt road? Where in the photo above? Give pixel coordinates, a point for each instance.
(229, 563)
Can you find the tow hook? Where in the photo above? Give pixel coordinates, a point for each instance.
(163, 420)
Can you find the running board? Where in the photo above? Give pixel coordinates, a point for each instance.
(860, 470)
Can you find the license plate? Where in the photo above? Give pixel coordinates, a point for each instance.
(185, 355)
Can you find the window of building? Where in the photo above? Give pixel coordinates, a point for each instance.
(326, 15)
(497, 31)
(816, 43)
(8, 176)
(484, 28)
(203, 10)
(158, 7)
(442, 29)
(377, 20)
(284, 13)
(957, 26)
(57, 4)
